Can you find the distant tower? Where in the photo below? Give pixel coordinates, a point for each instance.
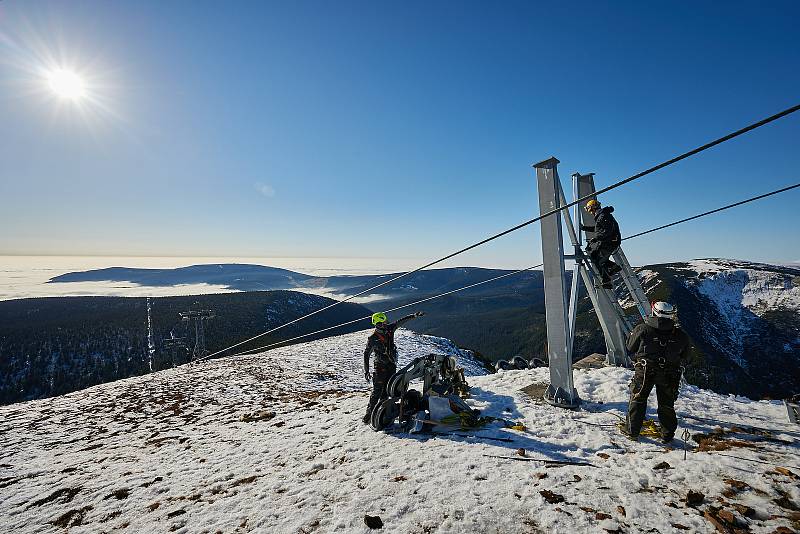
(174, 346)
(199, 318)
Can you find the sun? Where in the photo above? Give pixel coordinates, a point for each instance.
(66, 84)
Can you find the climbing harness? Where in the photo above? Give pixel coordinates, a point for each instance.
(641, 363)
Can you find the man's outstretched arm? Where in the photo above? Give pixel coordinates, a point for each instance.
(402, 321)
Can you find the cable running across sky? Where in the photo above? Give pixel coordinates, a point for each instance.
(506, 275)
(615, 185)
(267, 347)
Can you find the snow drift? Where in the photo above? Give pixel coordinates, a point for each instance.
(274, 443)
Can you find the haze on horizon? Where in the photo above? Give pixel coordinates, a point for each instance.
(357, 130)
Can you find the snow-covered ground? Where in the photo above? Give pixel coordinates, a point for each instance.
(274, 443)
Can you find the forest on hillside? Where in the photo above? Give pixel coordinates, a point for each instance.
(52, 346)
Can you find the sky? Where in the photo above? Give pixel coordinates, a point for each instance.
(391, 130)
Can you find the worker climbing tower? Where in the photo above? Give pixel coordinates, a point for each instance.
(560, 303)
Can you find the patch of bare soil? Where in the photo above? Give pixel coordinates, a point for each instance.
(61, 496)
(72, 518)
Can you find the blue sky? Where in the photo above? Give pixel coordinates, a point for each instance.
(400, 130)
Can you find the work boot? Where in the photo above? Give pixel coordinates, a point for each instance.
(623, 428)
(667, 438)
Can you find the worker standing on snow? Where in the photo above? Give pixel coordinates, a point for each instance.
(660, 349)
(381, 342)
(604, 242)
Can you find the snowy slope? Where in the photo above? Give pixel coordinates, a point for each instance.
(735, 286)
(274, 443)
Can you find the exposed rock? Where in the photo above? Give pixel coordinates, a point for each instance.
(148, 484)
(373, 521)
(737, 484)
(787, 503)
(728, 517)
(552, 498)
(695, 498)
(718, 524)
(246, 480)
(119, 494)
(786, 472)
(72, 518)
(746, 511)
(62, 496)
(261, 415)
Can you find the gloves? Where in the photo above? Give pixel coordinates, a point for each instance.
(367, 375)
(419, 314)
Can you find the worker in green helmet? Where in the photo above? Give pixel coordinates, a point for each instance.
(381, 343)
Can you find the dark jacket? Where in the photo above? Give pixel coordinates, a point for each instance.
(658, 338)
(381, 342)
(606, 229)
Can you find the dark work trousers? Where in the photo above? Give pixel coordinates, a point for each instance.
(666, 379)
(600, 254)
(380, 378)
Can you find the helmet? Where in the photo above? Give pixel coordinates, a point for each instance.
(592, 205)
(379, 317)
(664, 309)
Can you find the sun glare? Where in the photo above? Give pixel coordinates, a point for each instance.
(66, 84)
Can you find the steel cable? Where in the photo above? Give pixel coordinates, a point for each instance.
(714, 211)
(620, 183)
(267, 347)
(415, 303)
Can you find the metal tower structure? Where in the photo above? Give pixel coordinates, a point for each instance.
(560, 303)
(199, 318)
(173, 346)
